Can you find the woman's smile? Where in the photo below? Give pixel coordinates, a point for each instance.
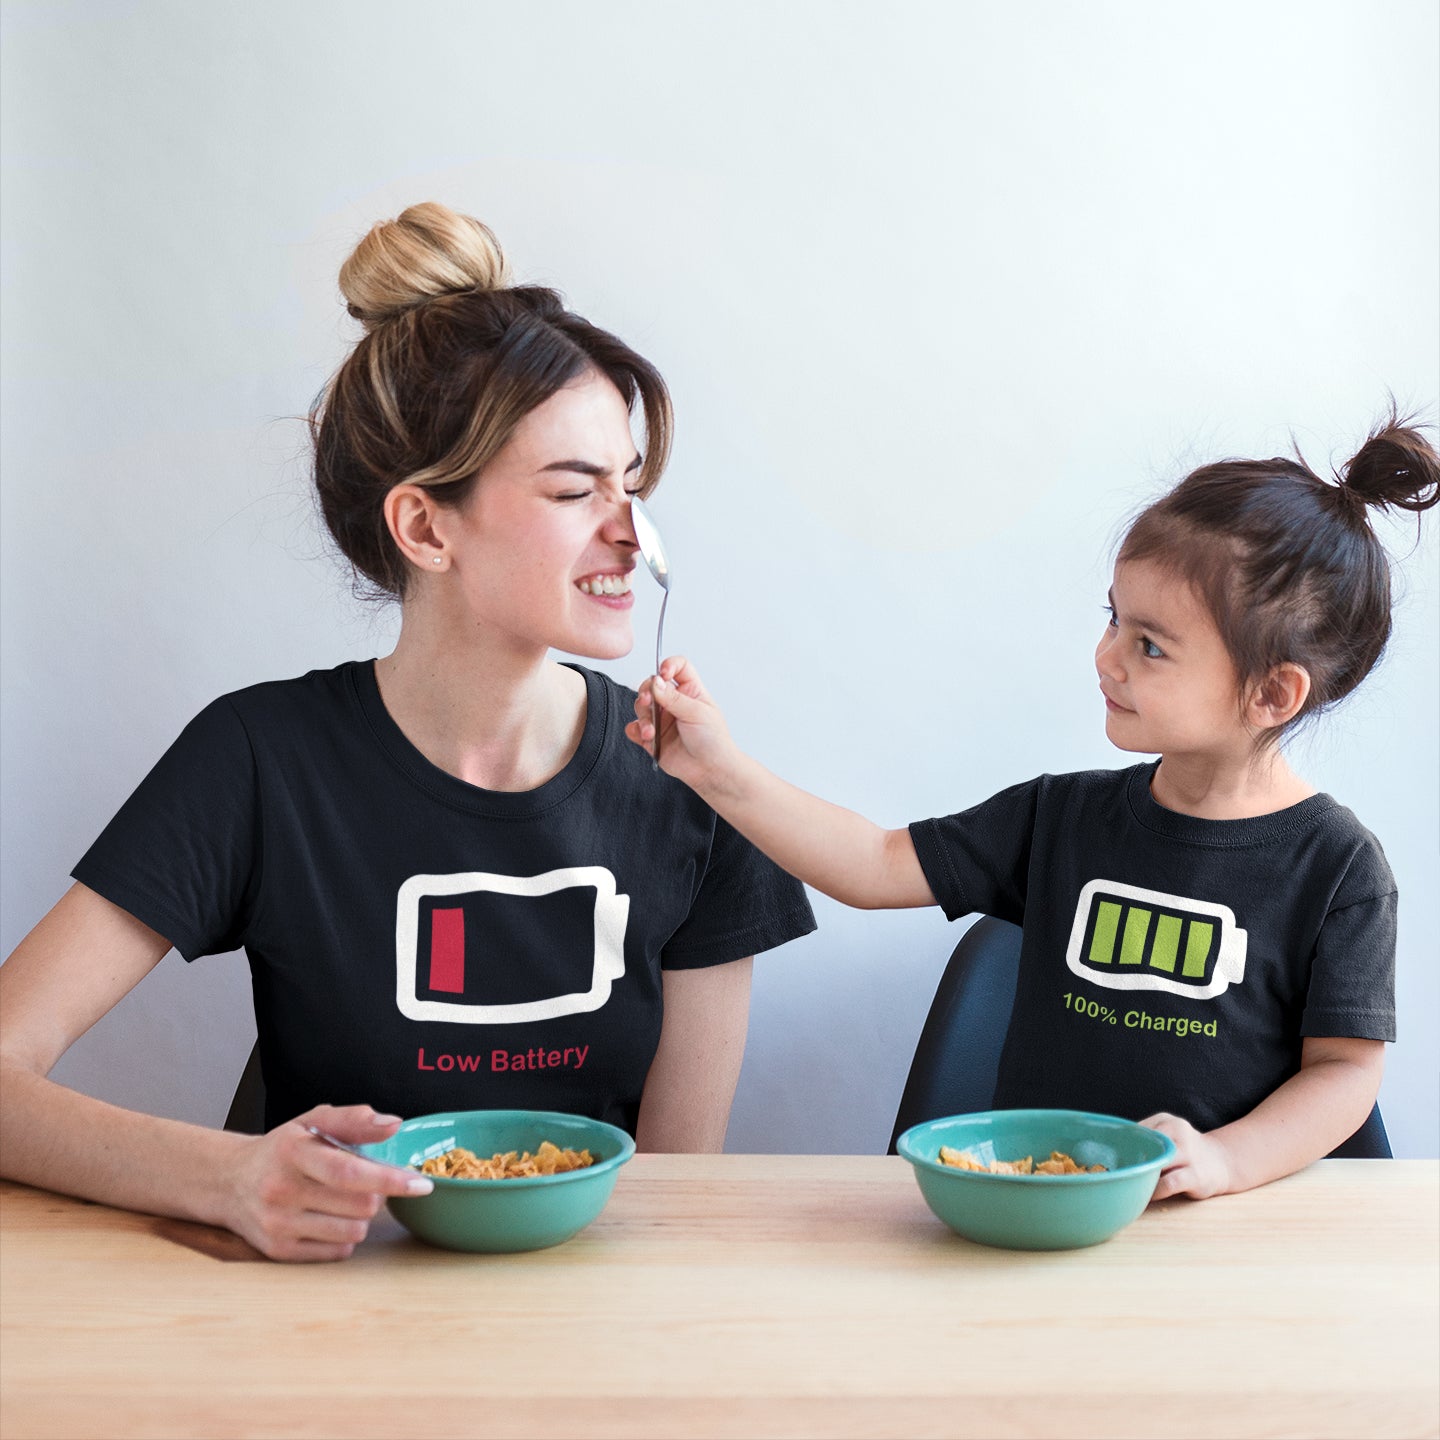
(610, 587)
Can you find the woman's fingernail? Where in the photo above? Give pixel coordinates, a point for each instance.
(384, 1119)
(419, 1186)
(659, 683)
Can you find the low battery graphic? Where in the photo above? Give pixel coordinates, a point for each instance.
(456, 937)
(1127, 938)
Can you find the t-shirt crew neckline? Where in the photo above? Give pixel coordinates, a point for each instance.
(1222, 834)
(493, 804)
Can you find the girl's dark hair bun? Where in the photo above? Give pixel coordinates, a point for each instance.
(1396, 466)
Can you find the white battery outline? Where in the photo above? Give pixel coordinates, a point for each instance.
(612, 913)
(1229, 960)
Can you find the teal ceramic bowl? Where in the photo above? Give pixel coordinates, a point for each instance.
(1037, 1212)
(504, 1215)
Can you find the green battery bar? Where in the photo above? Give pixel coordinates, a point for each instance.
(1123, 932)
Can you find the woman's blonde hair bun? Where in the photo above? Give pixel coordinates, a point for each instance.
(427, 250)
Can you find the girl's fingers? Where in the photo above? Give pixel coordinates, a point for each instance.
(1173, 1182)
(678, 671)
(1174, 1129)
(642, 728)
(691, 683)
(674, 701)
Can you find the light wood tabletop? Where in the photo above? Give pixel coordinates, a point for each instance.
(744, 1295)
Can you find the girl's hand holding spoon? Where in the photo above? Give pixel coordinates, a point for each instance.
(695, 743)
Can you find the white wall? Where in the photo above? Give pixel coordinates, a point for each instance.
(942, 291)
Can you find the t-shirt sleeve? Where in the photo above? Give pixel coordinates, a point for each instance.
(978, 860)
(744, 904)
(1352, 979)
(182, 855)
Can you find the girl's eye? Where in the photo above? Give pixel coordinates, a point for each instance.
(1150, 650)
(1110, 615)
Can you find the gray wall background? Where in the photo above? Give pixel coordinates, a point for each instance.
(943, 291)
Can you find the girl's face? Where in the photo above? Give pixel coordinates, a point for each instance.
(544, 548)
(1170, 686)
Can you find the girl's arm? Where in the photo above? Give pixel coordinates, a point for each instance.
(288, 1194)
(1304, 1120)
(835, 850)
(688, 1092)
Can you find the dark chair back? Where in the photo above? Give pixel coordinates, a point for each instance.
(247, 1109)
(958, 1054)
(1369, 1142)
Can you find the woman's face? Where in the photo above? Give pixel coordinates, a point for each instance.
(543, 549)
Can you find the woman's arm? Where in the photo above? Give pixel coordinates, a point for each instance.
(287, 1193)
(837, 851)
(1302, 1121)
(691, 1084)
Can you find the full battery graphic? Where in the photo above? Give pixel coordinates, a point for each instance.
(1127, 938)
(458, 937)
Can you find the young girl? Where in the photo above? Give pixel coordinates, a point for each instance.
(1208, 943)
(456, 884)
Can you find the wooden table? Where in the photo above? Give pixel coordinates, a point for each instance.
(744, 1295)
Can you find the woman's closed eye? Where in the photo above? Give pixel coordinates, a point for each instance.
(569, 496)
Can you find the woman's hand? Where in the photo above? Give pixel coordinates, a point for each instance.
(1201, 1167)
(695, 743)
(294, 1197)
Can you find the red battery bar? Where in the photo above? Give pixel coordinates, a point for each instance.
(447, 951)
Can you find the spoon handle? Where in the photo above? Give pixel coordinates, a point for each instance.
(659, 649)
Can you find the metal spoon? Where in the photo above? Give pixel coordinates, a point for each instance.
(354, 1149)
(652, 551)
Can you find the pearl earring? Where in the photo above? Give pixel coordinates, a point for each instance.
(435, 560)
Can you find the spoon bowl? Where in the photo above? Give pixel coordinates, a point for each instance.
(652, 551)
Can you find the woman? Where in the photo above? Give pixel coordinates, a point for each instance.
(457, 884)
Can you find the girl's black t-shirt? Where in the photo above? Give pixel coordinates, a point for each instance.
(1169, 963)
(417, 943)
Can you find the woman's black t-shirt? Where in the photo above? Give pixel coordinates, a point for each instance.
(417, 943)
